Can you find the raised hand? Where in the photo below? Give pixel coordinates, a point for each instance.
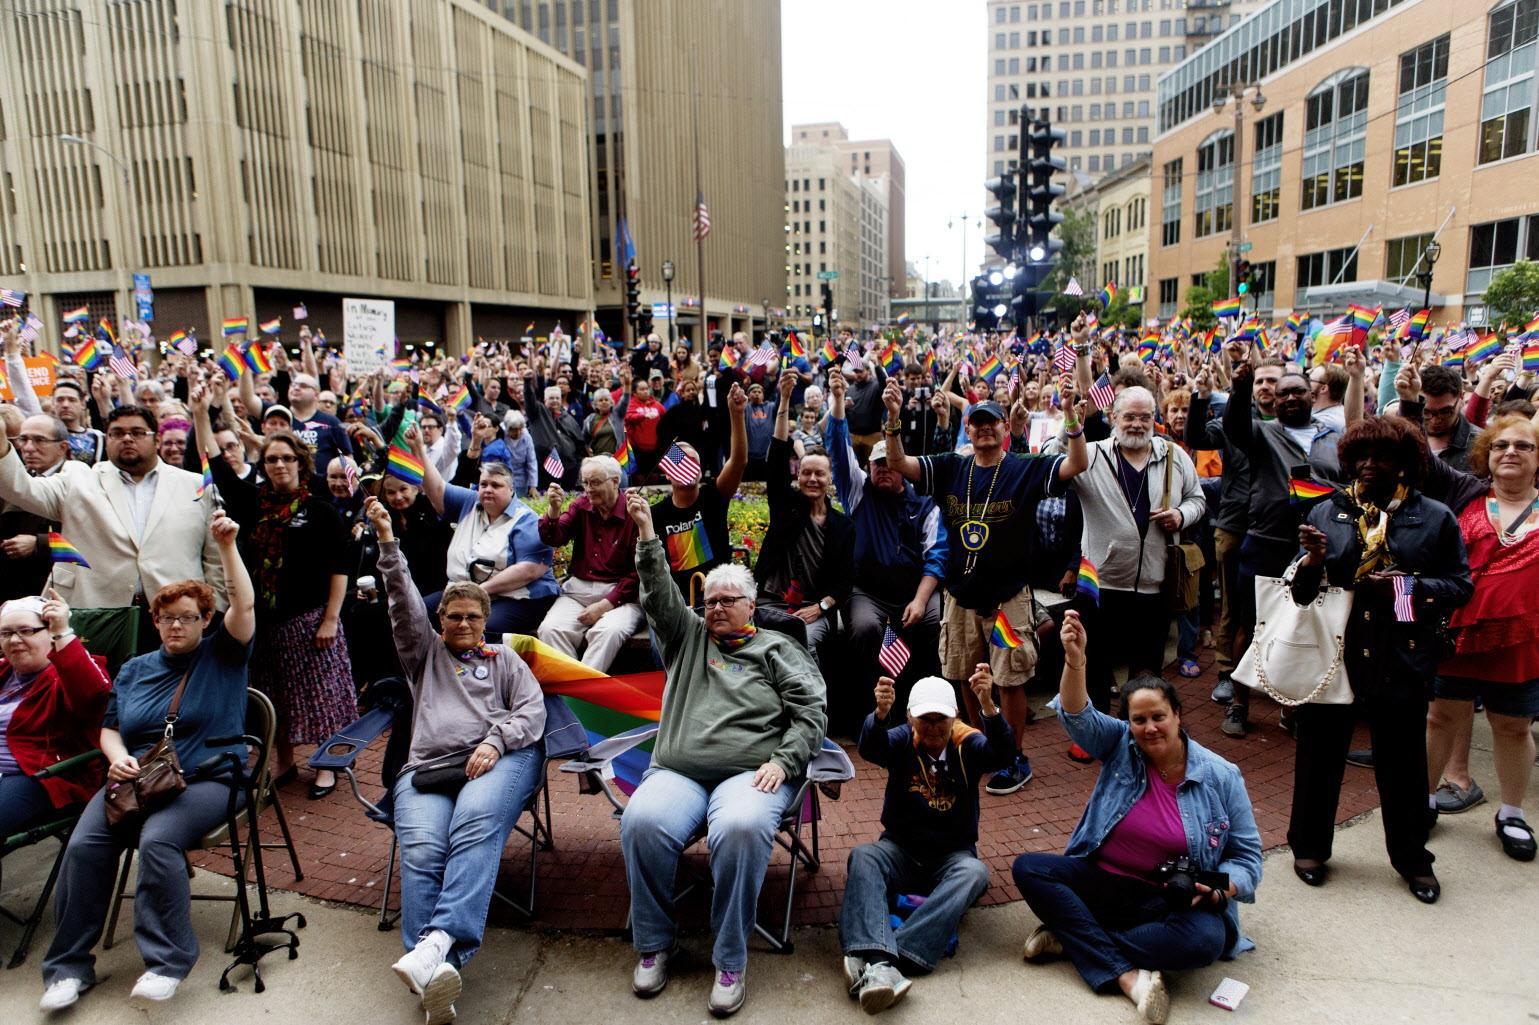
(737, 399)
(555, 498)
(55, 613)
(1312, 540)
(1072, 636)
(222, 529)
(787, 385)
(415, 443)
(638, 508)
(1408, 383)
(982, 684)
(379, 519)
(892, 398)
(885, 696)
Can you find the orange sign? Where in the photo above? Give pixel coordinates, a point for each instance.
(39, 374)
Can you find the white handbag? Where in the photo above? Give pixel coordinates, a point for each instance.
(1297, 653)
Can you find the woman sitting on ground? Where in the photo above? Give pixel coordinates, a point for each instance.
(476, 705)
(1109, 903)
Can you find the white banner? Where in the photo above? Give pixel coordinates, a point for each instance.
(368, 334)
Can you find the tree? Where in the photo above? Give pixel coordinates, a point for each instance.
(1512, 297)
(1200, 298)
(1077, 258)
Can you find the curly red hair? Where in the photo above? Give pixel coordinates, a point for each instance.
(197, 590)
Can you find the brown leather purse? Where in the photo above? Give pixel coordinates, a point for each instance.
(160, 776)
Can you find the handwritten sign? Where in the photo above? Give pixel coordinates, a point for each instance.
(368, 334)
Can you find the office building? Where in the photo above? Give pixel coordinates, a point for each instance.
(1118, 205)
(871, 158)
(1383, 127)
(835, 235)
(279, 153)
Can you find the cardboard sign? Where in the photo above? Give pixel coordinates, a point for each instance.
(39, 374)
(368, 334)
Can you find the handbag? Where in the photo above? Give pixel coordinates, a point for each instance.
(443, 775)
(1297, 652)
(1184, 561)
(160, 775)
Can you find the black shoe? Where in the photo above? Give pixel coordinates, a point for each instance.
(1314, 876)
(1424, 888)
(1234, 723)
(317, 792)
(1289, 721)
(1223, 694)
(1361, 757)
(1432, 816)
(1521, 849)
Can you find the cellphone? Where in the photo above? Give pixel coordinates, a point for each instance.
(1229, 994)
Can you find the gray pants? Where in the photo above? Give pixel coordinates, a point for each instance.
(162, 900)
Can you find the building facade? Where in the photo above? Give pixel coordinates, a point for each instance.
(667, 81)
(876, 159)
(836, 235)
(254, 155)
(1118, 205)
(1385, 125)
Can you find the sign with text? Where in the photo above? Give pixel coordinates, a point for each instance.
(368, 334)
(39, 375)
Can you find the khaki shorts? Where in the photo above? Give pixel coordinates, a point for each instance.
(964, 642)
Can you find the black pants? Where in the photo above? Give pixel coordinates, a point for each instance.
(1129, 628)
(1399, 728)
(867, 617)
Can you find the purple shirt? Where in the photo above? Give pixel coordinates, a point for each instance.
(1150, 833)
(603, 548)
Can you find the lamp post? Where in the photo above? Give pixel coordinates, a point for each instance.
(129, 241)
(668, 272)
(1429, 257)
(1237, 93)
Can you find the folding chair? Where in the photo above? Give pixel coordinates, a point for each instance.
(58, 824)
(262, 724)
(829, 769)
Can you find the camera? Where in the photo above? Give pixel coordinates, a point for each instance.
(1178, 879)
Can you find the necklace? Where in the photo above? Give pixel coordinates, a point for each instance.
(975, 532)
(1519, 528)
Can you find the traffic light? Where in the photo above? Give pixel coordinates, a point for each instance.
(1003, 216)
(632, 291)
(1041, 194)
(991, 299)
(644, 323)
(1242, 274)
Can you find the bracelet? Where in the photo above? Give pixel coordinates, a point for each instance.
(892, 427)
(1074, 667)
(1074, 433)
(64, 636)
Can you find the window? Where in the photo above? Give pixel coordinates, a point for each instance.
(1111, 223)
(1263, 283)
(1266, 170)
(1419, 112)
(1325, 268)
(1214, 209)
(1170, 205)
(1336, 120)
(1170, 295)
(1401, 256)
(1506, 106)
(1497, 245)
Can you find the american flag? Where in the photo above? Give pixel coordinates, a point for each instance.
(680, 467)
(894, 654)
(853, 357)
(1102, 393)
(1404, 612)
(762, 356)
(1399, 319)
(553, 465)
(702, 218)
(1072, 288)
(31, 329)
(1064, 360)
(122, 365)
(12, 298)
(351, 469)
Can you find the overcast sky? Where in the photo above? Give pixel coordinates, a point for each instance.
(911, 71)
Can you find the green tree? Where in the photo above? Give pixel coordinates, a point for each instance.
(1513, 295)
(1199, 298)
(1076, 260)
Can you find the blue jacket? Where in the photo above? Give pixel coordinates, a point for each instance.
(898, 538)
(1221, 833)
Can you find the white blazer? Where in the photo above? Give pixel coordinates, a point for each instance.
(91, 506)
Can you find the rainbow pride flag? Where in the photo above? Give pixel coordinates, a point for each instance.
(688, 549)
(1226, 307)
(400, 364)
(232, 362)
(1531, 357)
(1417, 325)
(88, 355)
(729, 357)
(990, 369)
(1003, 634)
(1108, 295)
(828, 353)
(235, 326)
(1148, 347)
(62, 551)
(271, 327)
(459, 399)
(208, 475)
(1483, 349)
(1296, 321)
(625, 457)
(1089, 581)
(1300, 491)
(79, 315)
(257, 360)
(889, 357)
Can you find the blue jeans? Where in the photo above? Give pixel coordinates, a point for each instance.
(22, 801)
(1110, 924)
(661, 818)
(879, 869)
(451, 847)
(1186, 635)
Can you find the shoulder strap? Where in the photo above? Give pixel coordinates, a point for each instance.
(1170, 460)
(176, 699)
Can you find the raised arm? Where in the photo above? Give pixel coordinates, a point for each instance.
(1357, 366)
(240, 616)
(409, 624)
(787, 385)
(432, 480)
(897, 459)
(731, 474)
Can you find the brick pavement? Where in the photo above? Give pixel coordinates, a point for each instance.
(582, 881)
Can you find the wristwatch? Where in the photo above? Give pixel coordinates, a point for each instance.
(892, 427)
(826, 605)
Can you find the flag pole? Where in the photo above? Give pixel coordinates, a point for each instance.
(694, 95)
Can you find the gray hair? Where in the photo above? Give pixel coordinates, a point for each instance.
(1129, 393)
(552, 392)
(497, 468)
(513, 420)
(607, 465)
(731, 576)
(56, 427)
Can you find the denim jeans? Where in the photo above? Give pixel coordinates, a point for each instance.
(1186, 634)
(879, 869)
(1110, 924)
(22, 801)
(451, 847)
(661, 818)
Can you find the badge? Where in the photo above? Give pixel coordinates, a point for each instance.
(975, 534)
(482, 672)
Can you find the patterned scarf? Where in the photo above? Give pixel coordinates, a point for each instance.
(733, 641)
(1373, 528)
(274, 510)
(482, 650)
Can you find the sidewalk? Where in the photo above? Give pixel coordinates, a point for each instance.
(1359, 951)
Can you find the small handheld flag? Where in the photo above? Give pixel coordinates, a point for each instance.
(208, 475)
(1405, 611)
(1300, 491)
(1073, 288)
(459, 399)
(12, 298)
(62, 551)
(256, 359)
(234, 326)
(231, 362)
(1108, 295)
(400, 461)
(1003, 635)
(1226, 307)
(894, 654)
(79, 315)
(300, 312)
(680, 467)
(271, 327)
(1102, 394)
(625, 457)
(552, 464)
(1088, 582)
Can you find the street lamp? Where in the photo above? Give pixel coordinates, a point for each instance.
(1222, 95)
(128, 243)
(668, 288)
(1429, 257)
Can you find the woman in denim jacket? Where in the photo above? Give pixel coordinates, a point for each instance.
(1160, 797)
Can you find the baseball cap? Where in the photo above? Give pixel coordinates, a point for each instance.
(930, 695)
(878, 451)
(987, 408)
(277, 410)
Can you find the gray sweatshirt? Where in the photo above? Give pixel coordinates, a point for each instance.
(458, 703)
(1125, 561)
(728, 711)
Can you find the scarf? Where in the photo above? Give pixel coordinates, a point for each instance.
(1373, 528)
(482, 650)
(274, 510)
(733, 641)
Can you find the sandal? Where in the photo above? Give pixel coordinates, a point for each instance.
(1521, 848)
(1189, 668)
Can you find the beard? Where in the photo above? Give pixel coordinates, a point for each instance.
(1132, 442)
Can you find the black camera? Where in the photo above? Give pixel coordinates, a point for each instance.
(1179, 879)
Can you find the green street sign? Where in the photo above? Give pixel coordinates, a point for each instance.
(1245, 247)
(827, 275)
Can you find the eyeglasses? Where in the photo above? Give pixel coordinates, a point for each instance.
(138, 434)
(26, 633)
(233, 446)
(1294, 390)
(178, 620)
(37, 439)
(463, 617)
(276, 459)
(1518, 446)
(724, 603)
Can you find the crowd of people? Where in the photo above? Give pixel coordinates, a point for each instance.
(947, 516)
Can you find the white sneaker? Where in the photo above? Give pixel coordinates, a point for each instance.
(1041, 945)
(416, 966)
(651, 974)
(1150, 997)
(854, 968)
(727, 993)
(155, 987)
(881, 986)
(61, 993)
(439, 995)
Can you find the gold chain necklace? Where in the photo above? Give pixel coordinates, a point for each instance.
(975, 532)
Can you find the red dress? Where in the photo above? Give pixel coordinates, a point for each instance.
(1495, 633)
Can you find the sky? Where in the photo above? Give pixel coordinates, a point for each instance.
(911, 71)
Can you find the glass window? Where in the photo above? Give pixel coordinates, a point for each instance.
(1507, 104)
(1401, 256)
(1336, 121)
(1419, 112)
(1266, 170)
(1332, 266)
(1214, 207)
(1170, 295)
(1263, 283)
(1170, 205)
(1497, 245)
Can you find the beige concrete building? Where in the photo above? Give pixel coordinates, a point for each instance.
(667, 76)
(1384, 126)
(1119, 206)
(835, 225)
(1091, 65)
(878, 159)
(279, 152)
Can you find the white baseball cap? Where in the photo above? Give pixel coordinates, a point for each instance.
(932, 694)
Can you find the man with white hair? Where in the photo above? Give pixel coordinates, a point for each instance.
(597, 611)
(553, 428)
(526, 472)
(1139, 492)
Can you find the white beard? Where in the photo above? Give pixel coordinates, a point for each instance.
(1134, 443)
